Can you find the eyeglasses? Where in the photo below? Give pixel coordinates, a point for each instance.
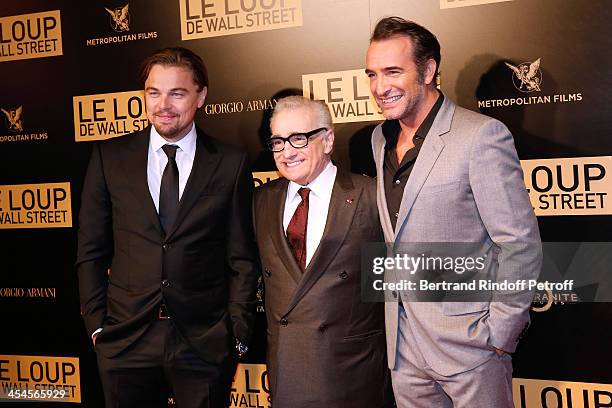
(297, 140)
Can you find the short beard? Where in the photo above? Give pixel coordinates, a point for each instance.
(168, 133)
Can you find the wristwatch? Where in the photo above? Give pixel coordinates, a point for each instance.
(241, 349)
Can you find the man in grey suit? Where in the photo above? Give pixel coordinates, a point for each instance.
(446, 174)
(326, 348)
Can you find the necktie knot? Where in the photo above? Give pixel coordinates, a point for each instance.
(170, 150)
(303, 192)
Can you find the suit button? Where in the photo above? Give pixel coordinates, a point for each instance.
(343, 275)
(267, 273)
(165, 247)
(284, 322)
(165, 283)
(322, 327)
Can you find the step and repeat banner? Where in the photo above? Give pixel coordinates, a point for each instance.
(69, 78)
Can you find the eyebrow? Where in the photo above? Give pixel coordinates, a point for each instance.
(152, 88)
(289, 135)
(309, 133)
(391, 68)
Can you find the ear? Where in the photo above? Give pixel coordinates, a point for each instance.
(328, 142)
(202, 96)
(430, 71)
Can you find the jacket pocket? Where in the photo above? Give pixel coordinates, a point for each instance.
(429, 189)
(363, 336)
(463, 308)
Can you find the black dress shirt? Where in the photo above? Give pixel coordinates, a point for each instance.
(395, 175)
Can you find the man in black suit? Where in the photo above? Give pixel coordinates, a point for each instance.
(166, 257)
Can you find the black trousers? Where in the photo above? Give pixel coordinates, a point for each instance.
(161, 364)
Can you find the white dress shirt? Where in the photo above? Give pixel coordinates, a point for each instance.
(318, 207)
(157, 161)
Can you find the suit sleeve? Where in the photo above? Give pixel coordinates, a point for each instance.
(95, 243)
(496, 179)
(242, 256)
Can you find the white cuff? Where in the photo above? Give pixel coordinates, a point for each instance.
(96, 332)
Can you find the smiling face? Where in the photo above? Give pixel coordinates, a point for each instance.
(172, 99)
(395, 81)
(304, 164)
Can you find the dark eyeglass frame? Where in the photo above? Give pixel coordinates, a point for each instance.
(292, 136)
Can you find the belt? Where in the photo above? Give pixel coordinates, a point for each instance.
(162, 312)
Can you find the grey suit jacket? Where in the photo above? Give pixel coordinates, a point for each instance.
(466, 186)
(326, 348)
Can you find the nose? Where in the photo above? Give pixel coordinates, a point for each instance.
(289, 151)
(163, 102)
(380, 86)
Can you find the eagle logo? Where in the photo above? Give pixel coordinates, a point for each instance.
(120, 18)
(527, 76)
(14, 119)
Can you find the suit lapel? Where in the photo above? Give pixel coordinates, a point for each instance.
(277, 232)
(342, 206)
(135, 160)
(206, 160)
(381, 196)
(430, 151)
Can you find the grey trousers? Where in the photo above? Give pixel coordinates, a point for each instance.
(416, 385)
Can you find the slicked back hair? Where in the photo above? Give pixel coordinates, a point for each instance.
(177, 57)
(424, 42)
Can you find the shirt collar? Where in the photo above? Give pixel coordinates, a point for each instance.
(392, 128)
(321, 186)
(186, 144)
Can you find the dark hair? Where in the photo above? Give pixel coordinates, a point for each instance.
(425, 44)
(177, 57)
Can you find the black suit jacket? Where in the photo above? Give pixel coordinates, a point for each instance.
(204, 269)
(326, 347)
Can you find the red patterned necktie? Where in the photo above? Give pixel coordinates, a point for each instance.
(296, 230)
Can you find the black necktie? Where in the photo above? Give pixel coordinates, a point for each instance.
(169, 190)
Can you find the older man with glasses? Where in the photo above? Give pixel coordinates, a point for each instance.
(325, 346)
